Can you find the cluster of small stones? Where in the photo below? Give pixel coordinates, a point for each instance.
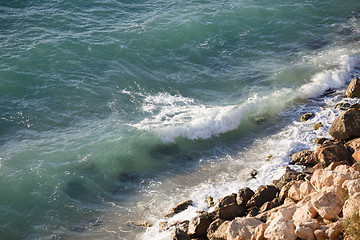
(306, 205)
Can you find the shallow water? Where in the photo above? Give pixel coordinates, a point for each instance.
(113, 111)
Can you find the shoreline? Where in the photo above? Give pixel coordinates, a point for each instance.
(232, 216)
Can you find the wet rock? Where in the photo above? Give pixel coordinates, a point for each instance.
(242, 228)
(198, 226)
(317, 126)
(342, 106)
(179, 234)
(210, 201)
(243, 196)
(179, 208)
(305, 158)
(347, 126)
(331, 151)
(353, 89)
(328, 204)
(306, 116)
(253, 173)
(263, 194)
(320, 140)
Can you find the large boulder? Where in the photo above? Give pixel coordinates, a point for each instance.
(347, 126)
(331, 151)
(353, 145)
(352, 186)
(353, 89)
(263, 194)
(304, 212)
(259, 232)
(328, 204)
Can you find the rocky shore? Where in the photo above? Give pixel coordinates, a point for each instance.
(321, 202)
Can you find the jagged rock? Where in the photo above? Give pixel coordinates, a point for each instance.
(350, 172)
(320, 140)
(198, 226)
(305, 230)
(179, 208)
(353, 90)
(331, 151)
(342, 106)
(285, 190)
(281, 227)
(259, 232)
(353, 145)
(306, 188)
(243, 196)
(351, 205)
(305, 158)
(305, 211)
(347, 126)
(253, 212)
(214, 226)
(263, 194)
(328, 204)
(352, 186)
(179, 234)
(333, 230)
(285, 179)
(266, 216)
(306, 116)
(242, 228)
(218, 230)
(326, 178)
(294, 191)
(227, 208)
(317, 126)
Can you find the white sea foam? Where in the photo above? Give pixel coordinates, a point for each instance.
(175, 116)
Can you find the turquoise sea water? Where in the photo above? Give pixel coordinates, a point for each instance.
(102, 100)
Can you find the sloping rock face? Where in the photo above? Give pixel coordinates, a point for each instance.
(353, 89)
(331, 151)
(347, 126)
